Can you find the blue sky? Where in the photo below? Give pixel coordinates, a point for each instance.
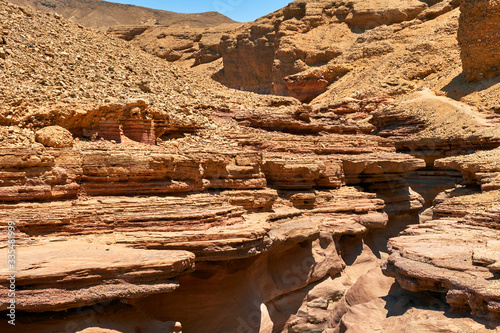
(238, 10)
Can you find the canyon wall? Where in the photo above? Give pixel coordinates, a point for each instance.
(308, 46)
(147, 198)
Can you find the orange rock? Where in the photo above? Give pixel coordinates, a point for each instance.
(478, 39)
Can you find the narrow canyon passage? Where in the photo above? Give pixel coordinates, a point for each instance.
(332, 167)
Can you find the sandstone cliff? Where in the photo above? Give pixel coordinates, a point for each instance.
(187, 46)
(310, 46)
(147, 197)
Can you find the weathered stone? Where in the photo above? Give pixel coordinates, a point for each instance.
(285, 208)
(423, 258)
(482, 168)
(54, 136)
(479, 39)
(91, 273)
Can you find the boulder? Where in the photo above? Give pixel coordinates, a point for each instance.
(54, 136)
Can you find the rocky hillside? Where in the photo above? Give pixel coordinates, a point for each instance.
(188, 39)
(147, 197)
(317, 49)
(188, 47)
(103, 14)
(310, 47)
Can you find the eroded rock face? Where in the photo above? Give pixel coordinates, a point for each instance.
(269, 197)
(479, 39)
(309, 46)
(456, 252)
(88, 276)
(416, 128)
(465, 270)
(482, 168)
(229, 211)
(187, 46)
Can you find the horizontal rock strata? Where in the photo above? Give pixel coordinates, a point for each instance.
(68, 274)
(456, 252)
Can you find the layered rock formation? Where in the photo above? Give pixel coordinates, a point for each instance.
(267, 203)
(218, 188)
(457, 129)
(466, 270)
(481, 168)
(309, 46)
(146, 199)
(46, 285)
(187, 46)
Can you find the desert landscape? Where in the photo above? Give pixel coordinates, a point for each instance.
(331, 167)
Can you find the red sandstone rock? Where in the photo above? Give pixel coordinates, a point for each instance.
(423, 259)
(284, 208)
(38, 174)
(89, 274)
(290, 51)
(482, 168)
(418, 129)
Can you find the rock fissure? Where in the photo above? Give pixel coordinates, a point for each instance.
(358, 192)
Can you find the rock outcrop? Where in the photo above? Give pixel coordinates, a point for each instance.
(466, 269)
(196, 180)
(481, 168)
(89, 274)
(479, 39)
(187, 46)
(144, 197)
(455, 253)
(457, 129)
(308, 47)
